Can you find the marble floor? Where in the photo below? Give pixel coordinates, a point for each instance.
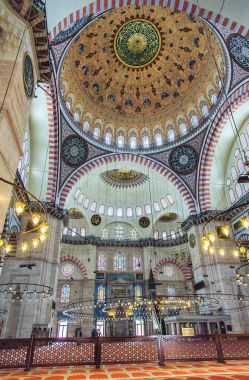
(235, 370)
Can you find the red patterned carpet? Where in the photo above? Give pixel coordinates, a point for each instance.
(235, 370)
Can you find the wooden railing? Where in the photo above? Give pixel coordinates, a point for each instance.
(38, 352)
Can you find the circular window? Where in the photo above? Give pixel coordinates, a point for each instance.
(169, 270)
(67, 269)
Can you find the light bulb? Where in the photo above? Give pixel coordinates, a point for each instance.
(43, 237)
(24, 246)
(35, 242)
(221, 251)
(211, 236)
(1, 242)
(242, 250)
(211, 249)
(205, 243)
(245, 221)
(35, 219)
(225, 230)
(7, 248)
(44, 228)
(20, 207)
(236, 252)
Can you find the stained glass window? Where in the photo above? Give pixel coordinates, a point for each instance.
(65, 293)
(101, 293)
(105, 233)
(119, 261)
(119, 232)
(137, 262)
(83, 231)
(101, 262)
(134, 234)
(138, 291)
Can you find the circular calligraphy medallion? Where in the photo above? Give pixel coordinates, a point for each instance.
(28, 76)
(95, 219)
(74, 150)
(144, 221)
(137, 43)
(183, 159)
(169, 270)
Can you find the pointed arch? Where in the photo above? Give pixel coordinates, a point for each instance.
(184, 266)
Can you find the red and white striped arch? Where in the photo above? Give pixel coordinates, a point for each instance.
(52, 141)
(186, 269)
(149, 163)
(100, 6)
(235, 100)
(76, 261)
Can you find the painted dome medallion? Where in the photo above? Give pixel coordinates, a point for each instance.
(137, 72)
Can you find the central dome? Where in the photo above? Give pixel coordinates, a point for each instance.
(141, 70)
(137, 43)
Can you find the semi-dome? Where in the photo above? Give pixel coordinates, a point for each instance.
(142, 75)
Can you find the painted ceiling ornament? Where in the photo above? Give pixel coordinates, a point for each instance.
(136, 66)
(168, 217)
(184, 159)
(137, 43)
(123, 178)
(239, 48)
(28, 76)
(96, 220)
(144, 222)
(74, 150)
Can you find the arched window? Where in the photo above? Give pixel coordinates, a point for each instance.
(173, 234)
(80, 199)
(119, 212)
(101, 210)
(129, 212)
(77, 193)
(101, 261)
(120, 141)
(85, 126)
(74, 231)
(180, 232)
(86, 203)
(164, 203)
(101, 293)
(171, 135)
(83, 232)
(213, 97)
(119, 261)
(228, 182)
(241, 166)
(138, 291)
(146, 141)
(158, 139)
(105, 233)
(183, 129)
(139, 211)
(76, 116)
(243, 141)
(156, 207)
(65, 293)
(234, 173)
(194, 120)
(236, 153)
(156, 234)
(108, 138)
(96, 133)
(170, 199)
(147, 209)
(204, 108)
(164, 235)
(238, 190)
(133, 142)
(231, 196)
(23, 165)
(93, 207)
(119, 232)
(65, 231)
(110, 211)
(137, 262)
